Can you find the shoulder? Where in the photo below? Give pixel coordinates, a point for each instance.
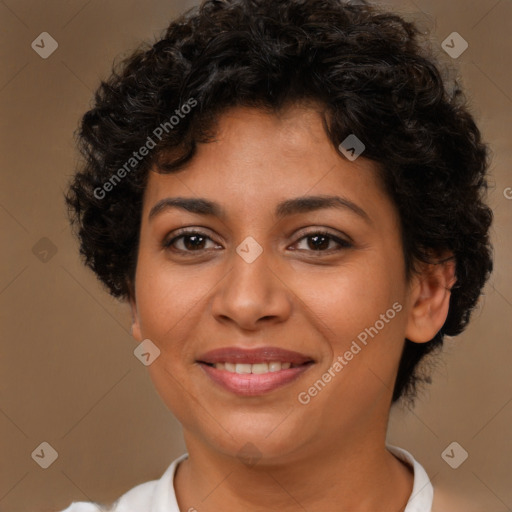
(138, 498)
(84, 507)
(141, 497)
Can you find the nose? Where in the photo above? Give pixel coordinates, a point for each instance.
(252, 295)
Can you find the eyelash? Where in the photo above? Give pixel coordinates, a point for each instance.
(184, 233)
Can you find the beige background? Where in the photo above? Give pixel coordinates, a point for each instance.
(68, 373)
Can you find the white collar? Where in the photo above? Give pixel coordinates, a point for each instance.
(422, 494)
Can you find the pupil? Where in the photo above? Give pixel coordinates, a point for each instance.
(316, 245)
(194, 245)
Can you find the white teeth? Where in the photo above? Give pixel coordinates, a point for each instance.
(257, 368)
(274, 367)
(243, 368)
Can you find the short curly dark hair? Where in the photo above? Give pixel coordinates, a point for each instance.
(375, 77)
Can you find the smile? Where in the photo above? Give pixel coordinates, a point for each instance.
(257, 368)
(255, 371)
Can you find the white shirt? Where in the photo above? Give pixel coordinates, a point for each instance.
(160, 496)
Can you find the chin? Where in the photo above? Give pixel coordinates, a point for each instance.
(267, 439)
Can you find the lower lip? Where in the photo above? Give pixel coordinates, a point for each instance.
(253, 384)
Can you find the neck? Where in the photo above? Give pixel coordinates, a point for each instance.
(357, 475)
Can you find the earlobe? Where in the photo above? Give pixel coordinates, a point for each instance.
(135, 329)
(430, 300)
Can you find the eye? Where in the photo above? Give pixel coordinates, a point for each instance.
(320, 241)
(188, 241)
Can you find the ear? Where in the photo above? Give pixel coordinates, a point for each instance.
(429, 299)
(135, 330)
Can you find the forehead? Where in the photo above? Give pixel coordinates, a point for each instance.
(258, 158)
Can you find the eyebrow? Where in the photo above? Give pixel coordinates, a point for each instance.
(304, 204)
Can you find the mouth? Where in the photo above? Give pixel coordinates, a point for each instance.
(255, 368)
(253, 372)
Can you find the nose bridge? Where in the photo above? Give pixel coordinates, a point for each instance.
(251, 290)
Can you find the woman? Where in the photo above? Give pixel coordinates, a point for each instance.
(290, 198)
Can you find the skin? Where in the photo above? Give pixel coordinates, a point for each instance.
(329, 454)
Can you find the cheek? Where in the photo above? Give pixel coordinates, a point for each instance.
(167, 295)
(350, 298)
(359, 308)
(168, 299)
(360, 312)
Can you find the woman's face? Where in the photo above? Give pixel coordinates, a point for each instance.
(254, 268)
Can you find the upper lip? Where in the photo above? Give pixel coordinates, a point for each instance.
(252, 356)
